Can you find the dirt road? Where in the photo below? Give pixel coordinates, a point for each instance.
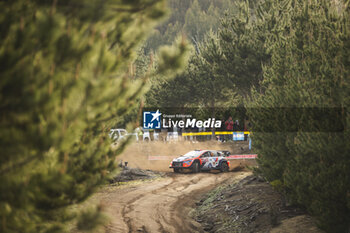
(161, 205)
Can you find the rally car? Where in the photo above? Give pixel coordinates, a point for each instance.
(201, 160)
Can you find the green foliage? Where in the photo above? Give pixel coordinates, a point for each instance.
(169, 62)
(91, 220)
(224, 65)
(242, 42)
(64, 82)
(309, 47)
(191, 87)
(210, 85)
(277, 184)
(192, 18)
(199, 22)
(165, 92)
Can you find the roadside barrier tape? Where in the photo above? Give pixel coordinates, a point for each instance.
(249, 156)
(216, 133)
(196, 134)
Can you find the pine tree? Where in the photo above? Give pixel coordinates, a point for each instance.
(64, 82)
(165, 91)
(309, 71)
(192, 18)
(242, 36)
(207, 76)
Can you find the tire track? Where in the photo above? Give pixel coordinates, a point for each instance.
(129, 208)
(162, 205)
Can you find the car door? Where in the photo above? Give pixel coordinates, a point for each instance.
(215, 159)
(212, 160)
(205, 160)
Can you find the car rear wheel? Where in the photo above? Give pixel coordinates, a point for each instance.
(195, 167)
(224, 167)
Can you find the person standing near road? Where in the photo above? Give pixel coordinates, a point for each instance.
(229, 127)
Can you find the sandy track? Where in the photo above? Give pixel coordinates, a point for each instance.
(161, 205)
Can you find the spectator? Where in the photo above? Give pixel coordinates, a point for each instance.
(229, 124)
(229, 127)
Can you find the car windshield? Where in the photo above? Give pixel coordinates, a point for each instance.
(193, 153)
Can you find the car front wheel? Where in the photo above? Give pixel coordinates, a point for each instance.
(195, 167)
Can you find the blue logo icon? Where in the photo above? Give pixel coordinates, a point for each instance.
(151, 120)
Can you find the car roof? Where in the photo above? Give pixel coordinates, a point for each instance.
(203, 151)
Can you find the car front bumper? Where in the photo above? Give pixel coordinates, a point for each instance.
(180, 165)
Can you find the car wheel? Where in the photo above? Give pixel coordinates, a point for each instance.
(195, 167)
(176, 170)
(224, 167)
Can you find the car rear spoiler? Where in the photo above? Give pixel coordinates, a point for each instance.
(225, 152)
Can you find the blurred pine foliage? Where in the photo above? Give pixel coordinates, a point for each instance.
(64, 82)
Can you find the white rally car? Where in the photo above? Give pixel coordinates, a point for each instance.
(201, 160)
